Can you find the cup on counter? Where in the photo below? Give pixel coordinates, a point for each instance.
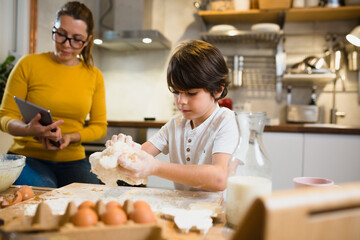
(300, 182)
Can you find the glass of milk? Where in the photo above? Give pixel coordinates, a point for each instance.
(249, 169)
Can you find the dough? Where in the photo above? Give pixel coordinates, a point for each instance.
(104, 164)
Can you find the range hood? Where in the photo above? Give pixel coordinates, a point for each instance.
(134, 40)
(134, 25)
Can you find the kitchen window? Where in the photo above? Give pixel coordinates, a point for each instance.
(15, 16)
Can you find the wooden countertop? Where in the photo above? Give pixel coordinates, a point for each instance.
(58, 199)
(286, 128)
(315, 128)
(137, 124)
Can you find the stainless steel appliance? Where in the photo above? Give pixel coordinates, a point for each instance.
(132, 25)
(302, 113)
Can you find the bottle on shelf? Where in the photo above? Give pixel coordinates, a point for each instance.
(313, 96)
(288, 96)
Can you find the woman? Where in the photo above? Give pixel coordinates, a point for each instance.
(65, 82)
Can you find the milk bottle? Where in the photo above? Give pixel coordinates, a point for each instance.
(249, 169)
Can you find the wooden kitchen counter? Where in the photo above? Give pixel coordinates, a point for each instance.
(58, 199)
(315, 128)
(290, 128)
(137, 124)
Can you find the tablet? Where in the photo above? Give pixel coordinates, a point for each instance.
(29, 110)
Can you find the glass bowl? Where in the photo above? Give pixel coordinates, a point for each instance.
(11, 166)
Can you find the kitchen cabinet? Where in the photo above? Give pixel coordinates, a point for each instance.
(332, 156)
(289, 15)
(285, 151)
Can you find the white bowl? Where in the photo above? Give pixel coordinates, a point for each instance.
(265, 27)
(221, 28)
(11, 166)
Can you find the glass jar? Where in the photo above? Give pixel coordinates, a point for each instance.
(249, 169)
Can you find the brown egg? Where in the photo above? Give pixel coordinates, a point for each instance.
(26, 192)
(141, 204)
(5, 203)
(113, 204)
(85, 217)
(142, 215)
(114, 216)
(87, 204)
(17, 198)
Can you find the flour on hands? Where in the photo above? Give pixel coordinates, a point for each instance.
(105, 164)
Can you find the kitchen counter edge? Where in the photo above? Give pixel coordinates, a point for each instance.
(286, 128)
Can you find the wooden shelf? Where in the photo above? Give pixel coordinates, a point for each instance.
(322, 14)
(291, 15)
(228, 17)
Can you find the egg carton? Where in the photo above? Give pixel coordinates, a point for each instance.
(46, 224)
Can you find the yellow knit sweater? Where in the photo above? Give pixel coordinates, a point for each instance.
(69, 92)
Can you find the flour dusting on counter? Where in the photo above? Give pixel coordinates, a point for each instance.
(165, 198)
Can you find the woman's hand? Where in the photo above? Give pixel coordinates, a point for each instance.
(52, 131)
(64, 141)
(45, 134)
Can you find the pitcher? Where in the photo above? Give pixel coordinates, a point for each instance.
(249, 169)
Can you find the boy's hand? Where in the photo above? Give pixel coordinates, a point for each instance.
(139, 165)
(123, 138)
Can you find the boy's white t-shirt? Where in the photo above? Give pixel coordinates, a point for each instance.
(187, 146)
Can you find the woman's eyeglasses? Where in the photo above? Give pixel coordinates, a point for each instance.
(59, 37)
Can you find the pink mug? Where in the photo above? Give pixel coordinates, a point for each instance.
(312, 182)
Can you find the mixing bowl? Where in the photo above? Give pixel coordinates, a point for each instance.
(11, 166)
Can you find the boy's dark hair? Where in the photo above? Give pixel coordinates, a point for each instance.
(79, 11)
(198, 64)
